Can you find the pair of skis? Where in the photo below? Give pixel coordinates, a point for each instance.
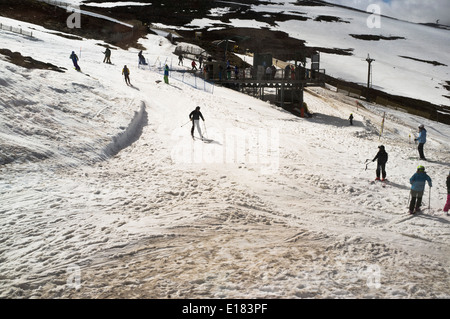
(382, 182)
(204, 139)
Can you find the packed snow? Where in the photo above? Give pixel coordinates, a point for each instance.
(105, 194)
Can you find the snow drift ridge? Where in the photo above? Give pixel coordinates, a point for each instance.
(131, 133)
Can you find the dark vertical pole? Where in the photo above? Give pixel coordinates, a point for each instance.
(226, 49)
(369, 61)
(301, 95)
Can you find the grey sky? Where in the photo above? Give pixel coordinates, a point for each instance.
(421, 11)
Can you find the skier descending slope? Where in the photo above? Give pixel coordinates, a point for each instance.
(417, 188)
(126, 74)
(195, 116)
(74, 58)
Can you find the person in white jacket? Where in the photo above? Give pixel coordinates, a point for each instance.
(422, 139)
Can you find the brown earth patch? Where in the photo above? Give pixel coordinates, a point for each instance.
(329, 19)
(424, 61)
(371, 37)
(28, 62)
(55, 18)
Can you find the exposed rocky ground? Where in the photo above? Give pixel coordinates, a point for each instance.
(179, 14)
(54, 18)
(28, 62)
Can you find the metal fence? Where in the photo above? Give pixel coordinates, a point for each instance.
(193, 79)
(16, 30)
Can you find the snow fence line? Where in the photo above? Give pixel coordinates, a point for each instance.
(16, 30)
(130, 134)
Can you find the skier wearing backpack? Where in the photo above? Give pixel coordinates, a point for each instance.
(126, 74)
(382, 158)
(418, 181)
(195, 116)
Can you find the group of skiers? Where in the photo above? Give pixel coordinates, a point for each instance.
(125, 70)
(74, 57)
(193, 63)
(417, 181)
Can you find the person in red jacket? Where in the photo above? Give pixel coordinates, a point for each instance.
(447, 204)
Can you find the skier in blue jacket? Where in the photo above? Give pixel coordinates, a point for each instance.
(74, 59)
(417, 182)
(166, 74)
(422, 139)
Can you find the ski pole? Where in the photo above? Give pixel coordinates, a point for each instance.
(429, 199)
(185, 123)
(409, 197)
(205, 128)
(367, 163)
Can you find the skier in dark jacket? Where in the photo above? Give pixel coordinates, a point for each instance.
(74, 58)
(382, 158)
(195, 116)
(141, 58)
(107, 58)
(351, 118)
(418, 181)
(126, 74)
(447, 204)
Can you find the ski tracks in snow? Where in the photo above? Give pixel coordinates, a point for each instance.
(143, 226)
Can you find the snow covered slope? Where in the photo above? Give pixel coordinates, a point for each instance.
(107, 195)
(411, 59)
